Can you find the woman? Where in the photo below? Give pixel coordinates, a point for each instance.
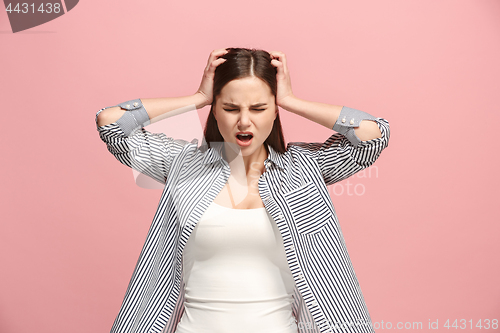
(245, 238)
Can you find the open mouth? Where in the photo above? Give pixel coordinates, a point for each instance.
(244, 140)
(244, 137)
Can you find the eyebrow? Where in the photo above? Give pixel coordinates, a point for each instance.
(253, 105)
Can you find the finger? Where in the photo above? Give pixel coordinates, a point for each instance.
(275, 55)
(277, 64)
(215, 54)
(215, 63)
(218, 62)
(220, 52)
(281, 56)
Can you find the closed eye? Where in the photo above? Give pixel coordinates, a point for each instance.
(237, 109)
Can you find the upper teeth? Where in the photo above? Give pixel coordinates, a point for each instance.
(245, 134)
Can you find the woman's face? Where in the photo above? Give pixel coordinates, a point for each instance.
(246, 105)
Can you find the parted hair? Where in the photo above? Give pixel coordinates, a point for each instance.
(242, 63)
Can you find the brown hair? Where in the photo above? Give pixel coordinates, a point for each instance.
(243, 63)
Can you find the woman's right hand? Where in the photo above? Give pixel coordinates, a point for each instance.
(207, 83)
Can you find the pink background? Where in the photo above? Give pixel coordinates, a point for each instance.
(424, 234)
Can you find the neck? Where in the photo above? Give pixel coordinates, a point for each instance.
(253, 164)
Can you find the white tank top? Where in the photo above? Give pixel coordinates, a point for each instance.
(236, 275)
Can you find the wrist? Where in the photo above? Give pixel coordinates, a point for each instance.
(289, 103)
(200, 100)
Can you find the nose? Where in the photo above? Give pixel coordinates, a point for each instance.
(244, 119)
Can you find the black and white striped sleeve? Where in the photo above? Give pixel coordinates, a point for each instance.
(342, 155)
(135, 147)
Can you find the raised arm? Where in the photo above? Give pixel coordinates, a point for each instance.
(360, 139)
(154, 109)
(121, 126)
(363, 124)
(339, 118)
(158, 108)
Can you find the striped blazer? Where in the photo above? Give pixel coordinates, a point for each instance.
(327, 296)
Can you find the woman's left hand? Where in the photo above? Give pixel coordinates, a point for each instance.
(284, 92)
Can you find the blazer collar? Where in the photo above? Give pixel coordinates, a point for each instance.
(215, 153)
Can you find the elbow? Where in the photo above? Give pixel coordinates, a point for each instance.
(101, 118)
(375, 133)
(368, 130)
(109, 115)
